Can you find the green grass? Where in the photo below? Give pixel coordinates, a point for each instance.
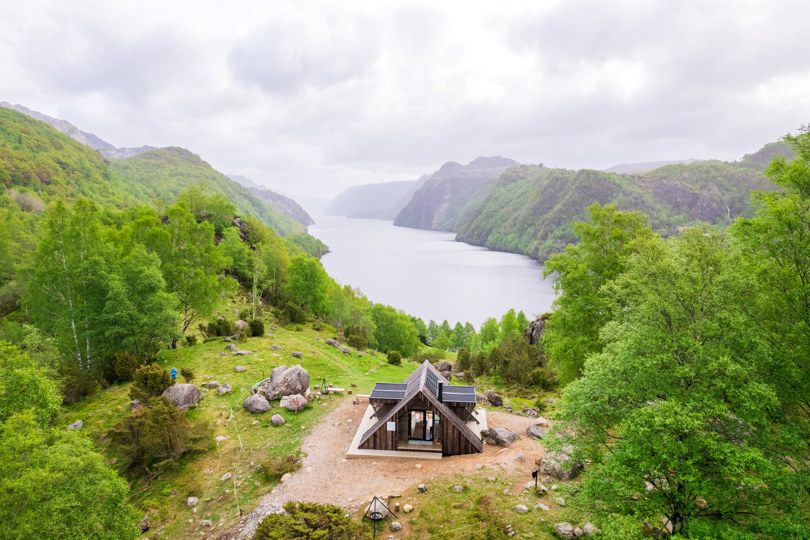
(226, 417)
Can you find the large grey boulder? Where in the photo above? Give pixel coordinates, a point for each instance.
(499, 436)
(182, 396)
(564, 530)
(277, 420)
(536, 432)
(212, 384)
(294, 403)
(560, 464)
(297, 354)
(443, 366)
(333, 342)
(494, 398)
(285, 381)
(256, 404)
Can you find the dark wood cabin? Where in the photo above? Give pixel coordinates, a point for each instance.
(424, 413)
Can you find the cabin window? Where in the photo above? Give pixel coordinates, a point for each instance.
(420, 425)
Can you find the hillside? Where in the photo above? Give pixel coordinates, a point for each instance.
(530, 208)
(96, 143)
(449, 196)
(374, 201)
(644, 166)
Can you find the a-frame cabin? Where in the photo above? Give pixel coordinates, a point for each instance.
(425, 413)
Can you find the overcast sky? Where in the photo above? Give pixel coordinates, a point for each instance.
(310, 97)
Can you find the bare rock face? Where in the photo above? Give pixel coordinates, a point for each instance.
(182, 396)
(494, 398)
(256, 404)
(294, 403)
(499, 436)
(285, 381)
(535, 332)
(560, 464)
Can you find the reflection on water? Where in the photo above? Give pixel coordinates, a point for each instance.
(427, 274)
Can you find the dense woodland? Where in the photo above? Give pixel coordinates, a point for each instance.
(682, 362)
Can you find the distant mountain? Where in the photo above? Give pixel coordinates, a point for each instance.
(449, 195)
(247, 182)
(530, 208)
(283, 204)
(107, 150)
(374, 201)
(644, 166)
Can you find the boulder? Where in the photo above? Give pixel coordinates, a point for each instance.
(275, 347)
(285, 381)
(458, 489)
(333, 342)
(541, 506)
(446, 375)
(239, 369)
(144, 524)
(345, 350)
(520, 509)
(224, 389)
(277, 420)
(529, 412)
(499, 436)
(396, 526)
(535, 331)
(240, 324)
(243, 352)
(297, 354)
(407, 508)
(183, 396)
(564, 530)
(78, 424)
(191, 501)
(480, 398)
(443, 366)
(206, 523)
(590, 529)
(230, 347)
(212, 384)
(226, 339)
(542, 422)
(560, 464)
(256, 403)
(536, 432)
(494, 398)
(294, 403)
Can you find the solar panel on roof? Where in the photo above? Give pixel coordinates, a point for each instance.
(432, 382)
(388, 391)
(458, 394)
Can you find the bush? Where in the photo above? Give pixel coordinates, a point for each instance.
(394, 358)
(540, 405)
(187, 374)
(150, 381)
(294, 313)
(126, 365)
(74, 385)
(463, 359)
(539, 378)
(310, 520)
(276, 467)
(221, 327)
(356, 337)
(191, 340)
(256, 327)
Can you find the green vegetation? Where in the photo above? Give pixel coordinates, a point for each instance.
(309, 520)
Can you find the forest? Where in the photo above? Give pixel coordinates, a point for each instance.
(680, 362)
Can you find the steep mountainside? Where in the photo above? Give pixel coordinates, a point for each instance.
(162, 174)
(449, 196)
(530, 208)
(283, 204)
(644, 166)
(374, 201)
(107, 150)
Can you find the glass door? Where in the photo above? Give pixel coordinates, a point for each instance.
(416, 427)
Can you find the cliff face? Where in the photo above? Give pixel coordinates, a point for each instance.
(285, 205)
(107, 150)
(450, 195)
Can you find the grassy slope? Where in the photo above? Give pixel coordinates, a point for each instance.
(227, 417)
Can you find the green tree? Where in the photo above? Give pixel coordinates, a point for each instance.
(582, 307)
(304, 520)
(308, 284)
(54, 485)
(489, 334)
(432, 331)
(393, 331)
(25, 386)
(509, 326)
(674, 407)
(459, 336)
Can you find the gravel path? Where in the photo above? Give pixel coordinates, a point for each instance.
(326, 476)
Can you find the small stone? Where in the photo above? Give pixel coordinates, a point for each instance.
(191, 501)
(554, 487)
(206, 523)
(255, 423)
(220, 438)
(277, 420)
(396, 526)
(549, 400)
(479, 467)
(542, 422)
(564, 530)
(286, 477)
(507, 491)
(421, 488)
(407, 508)
(458, 489)
(78, 424)
(224, 389)
(226, 476)
(144, 524)
(560, 501)
(418, 465)
(590, 529)
(239, 369)
(212, 384)
(541, 506)
(520, 509)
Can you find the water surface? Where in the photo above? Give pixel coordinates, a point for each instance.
(428, 274)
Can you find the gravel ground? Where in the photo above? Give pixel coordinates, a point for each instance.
(326, 476)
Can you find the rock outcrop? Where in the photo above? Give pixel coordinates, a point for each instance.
(560, 464)
(535, 331)
(285, 381)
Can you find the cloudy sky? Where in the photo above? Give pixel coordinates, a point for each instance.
(310, 97)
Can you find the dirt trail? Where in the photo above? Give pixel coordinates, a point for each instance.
(326, 476)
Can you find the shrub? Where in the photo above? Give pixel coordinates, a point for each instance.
(294, 313)
(463, 359)
(394, 358)
(150, 381)
(74, 385)
(191, 340)
(221, 327)
(125, 366)
(187, 374)
(539, 378)
(256, 327)
(276, 467)
(540, 405)
(310, 520)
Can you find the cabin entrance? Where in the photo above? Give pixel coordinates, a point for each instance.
(420, 426)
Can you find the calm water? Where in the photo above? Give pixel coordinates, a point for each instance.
(427, 274)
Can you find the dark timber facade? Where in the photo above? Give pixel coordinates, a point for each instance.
(425, 413)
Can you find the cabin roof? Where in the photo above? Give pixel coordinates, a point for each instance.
(425, 380)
